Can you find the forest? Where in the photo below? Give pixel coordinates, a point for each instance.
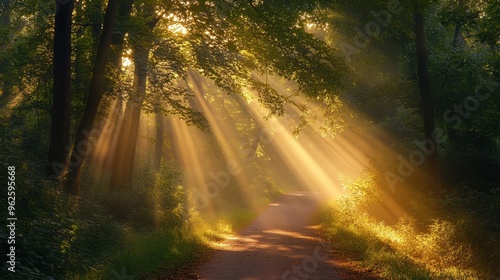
(250, 139)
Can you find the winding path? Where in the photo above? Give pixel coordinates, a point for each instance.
(282, 243)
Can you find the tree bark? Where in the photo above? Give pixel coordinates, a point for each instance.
(94, 98)
(61, 92)
(426, 96)
(116, 56)
(123, 163)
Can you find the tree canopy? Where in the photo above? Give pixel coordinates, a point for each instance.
(149, 114)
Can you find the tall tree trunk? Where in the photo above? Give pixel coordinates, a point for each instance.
(456, 37)
(123, 163)
(61, 93)
(94, 98)
(116, 56)
(426, 96)
(252, 152)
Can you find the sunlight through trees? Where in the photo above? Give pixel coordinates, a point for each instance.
(164, 127)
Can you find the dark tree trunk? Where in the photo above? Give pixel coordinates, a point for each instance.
(61, 93)
(252, 152)
(426, 96)
(94, 98)
(456, 40)
(123, 163)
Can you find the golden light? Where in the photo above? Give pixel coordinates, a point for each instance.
(175, 26)
(313, 161)
(126, 62)
(178, 28)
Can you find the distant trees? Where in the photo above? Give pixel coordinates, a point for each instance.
(216, 40)
(460, 45)
(229, 41)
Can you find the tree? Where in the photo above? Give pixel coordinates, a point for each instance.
(123, 164)
(217, 46)
(426, 96)
(82, 146)
(61, 94)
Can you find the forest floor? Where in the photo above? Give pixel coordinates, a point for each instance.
(283, 242)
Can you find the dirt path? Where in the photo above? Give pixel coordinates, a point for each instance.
(282, 243)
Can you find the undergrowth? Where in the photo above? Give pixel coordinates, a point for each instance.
(151, 228)
(456, 237)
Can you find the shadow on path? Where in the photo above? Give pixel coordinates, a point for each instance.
(282, 243)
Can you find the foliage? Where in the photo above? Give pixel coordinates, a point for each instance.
(289, 55)
(454, 240)
(55, 237)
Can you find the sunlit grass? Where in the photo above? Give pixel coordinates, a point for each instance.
(401, 251)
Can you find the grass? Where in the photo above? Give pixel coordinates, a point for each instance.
(367, 247)
(397, 252)
(236, 218)
(453, 235)
(145, 253)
